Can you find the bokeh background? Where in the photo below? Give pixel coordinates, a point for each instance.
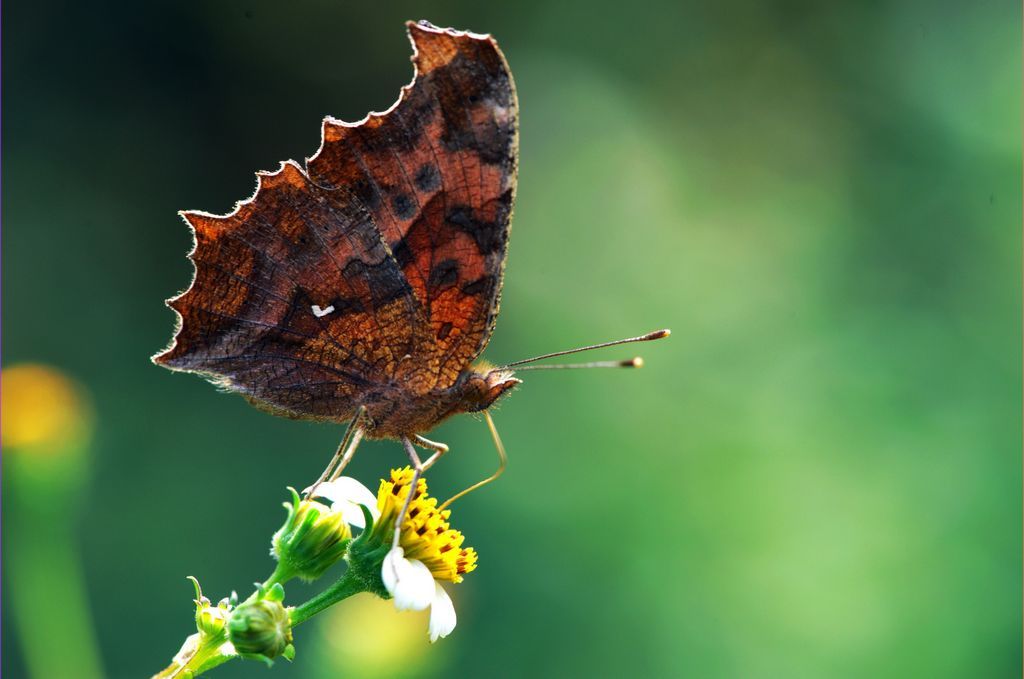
(819, 475)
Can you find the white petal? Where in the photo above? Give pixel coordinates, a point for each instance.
(353, 515)
(442, 614)
(389, 571)
(415, 587)
(409, 581)
(346, 489)
(347, 494)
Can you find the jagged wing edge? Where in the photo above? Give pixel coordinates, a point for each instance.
(189, 215)
(199, 219)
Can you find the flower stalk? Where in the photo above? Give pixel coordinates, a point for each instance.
(314, 538)
(346, 586)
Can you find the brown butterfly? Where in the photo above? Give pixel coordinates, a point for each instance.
(363, 286)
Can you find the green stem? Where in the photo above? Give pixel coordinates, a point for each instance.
(281, 574)
(198, 655)
(345, 587)
(45, 597)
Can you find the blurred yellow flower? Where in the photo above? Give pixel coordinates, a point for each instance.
(41, 409)
(45, 422)
(366, 637)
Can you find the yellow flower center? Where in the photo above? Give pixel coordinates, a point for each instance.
(426, 534)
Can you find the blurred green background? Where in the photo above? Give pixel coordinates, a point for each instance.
(819, 475)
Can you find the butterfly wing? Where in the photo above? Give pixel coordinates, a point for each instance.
(379, 267)
(296, 302)
(438, 173)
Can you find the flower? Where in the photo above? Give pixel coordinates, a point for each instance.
(313, 538)
(428, 553)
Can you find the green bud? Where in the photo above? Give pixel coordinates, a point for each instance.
(210, 619)
(261, 628)
(209, 646)
(313, 538)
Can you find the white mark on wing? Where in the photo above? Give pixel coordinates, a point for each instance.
(319, 313)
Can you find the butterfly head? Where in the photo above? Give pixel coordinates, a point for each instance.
(482, 385)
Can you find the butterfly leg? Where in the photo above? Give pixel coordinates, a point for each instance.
(343, 455)
(438, 448)
(349, 453)
(417, 472)
(502, 463)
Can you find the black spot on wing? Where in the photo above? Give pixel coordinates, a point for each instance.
(474, 80)
(427, 178)
(490, 142)
(403, 205)
(385, 283)
(345, 305)
(444, 275)
(403, 253)
(481, 286)
(489, 235)
(366, 193)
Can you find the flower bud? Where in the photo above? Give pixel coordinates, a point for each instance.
(209, 646)
(313, 538)
(210, 619)
(261, 628)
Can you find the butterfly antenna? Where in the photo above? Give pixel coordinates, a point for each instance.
(631, 363)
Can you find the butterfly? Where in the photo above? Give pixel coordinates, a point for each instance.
(363, 285)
